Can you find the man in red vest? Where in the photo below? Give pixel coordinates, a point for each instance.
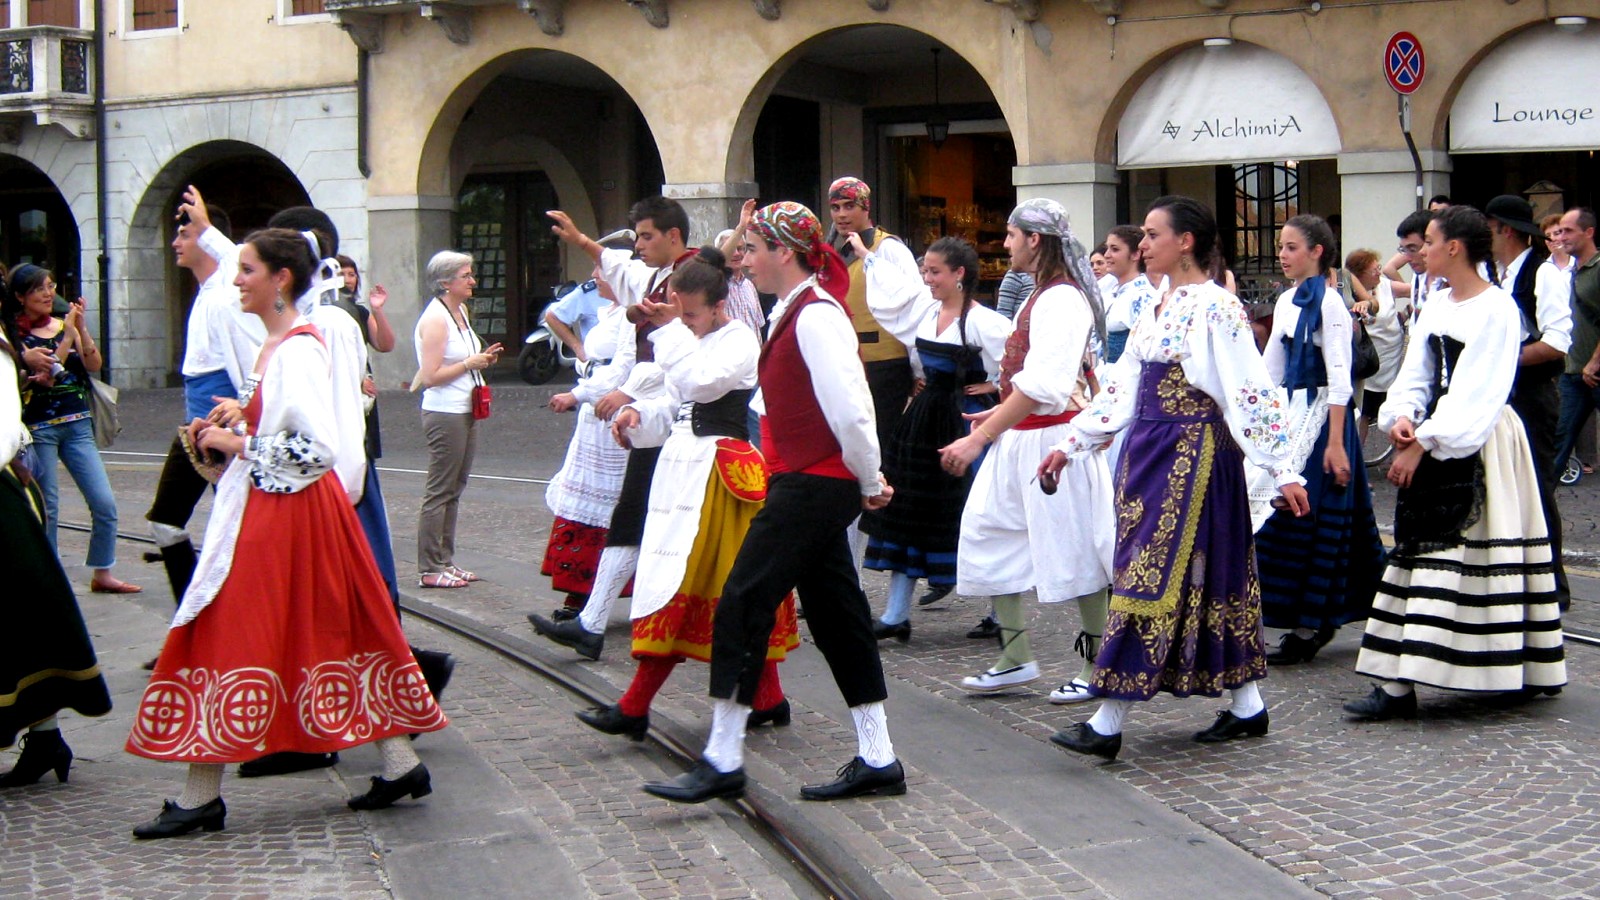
(820, 439)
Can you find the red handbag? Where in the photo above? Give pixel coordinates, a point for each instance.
(482, 396)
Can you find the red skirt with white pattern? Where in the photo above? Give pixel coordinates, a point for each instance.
(300, 651)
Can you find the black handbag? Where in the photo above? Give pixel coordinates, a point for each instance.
(1364, 362)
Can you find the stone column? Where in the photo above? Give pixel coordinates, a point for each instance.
(1379, 188)
(404, 232)
(1088, 190)
(712, 206)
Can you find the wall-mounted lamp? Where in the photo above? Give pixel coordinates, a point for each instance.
(938, 126)
(1218, 43)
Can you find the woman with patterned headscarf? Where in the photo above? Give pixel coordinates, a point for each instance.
(1044, 382)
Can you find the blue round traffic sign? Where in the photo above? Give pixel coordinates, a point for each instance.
(1403, 62)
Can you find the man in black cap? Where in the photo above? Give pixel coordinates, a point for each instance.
(1544, 296)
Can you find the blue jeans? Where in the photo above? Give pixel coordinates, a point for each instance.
(1578, 403)
(73, 444)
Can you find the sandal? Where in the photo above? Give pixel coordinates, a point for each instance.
(440, 580)
(114, 587)
(461, 573)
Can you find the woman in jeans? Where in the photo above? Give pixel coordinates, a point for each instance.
(450, 359)
(57, 413)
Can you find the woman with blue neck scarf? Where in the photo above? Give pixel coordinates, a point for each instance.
(1317, 571)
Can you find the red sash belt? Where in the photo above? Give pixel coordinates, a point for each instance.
(1034, 423)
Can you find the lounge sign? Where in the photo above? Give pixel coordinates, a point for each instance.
(1241, 103)
(1538, 91)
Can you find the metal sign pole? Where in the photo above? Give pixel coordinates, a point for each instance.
(1405, 129)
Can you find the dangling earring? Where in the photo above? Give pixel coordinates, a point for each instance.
(278, 305)
(1185, 263)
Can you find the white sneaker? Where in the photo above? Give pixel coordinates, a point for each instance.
(1001, 679)
(1074, 691)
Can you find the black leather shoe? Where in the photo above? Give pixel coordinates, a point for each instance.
(570, 633)
(1080, 738)
(936, 592)
(286, 763)
(987, 630)
(43, 751)
(900, 632)
(384, 793)
(612, 720)
(778, 716)
(1379, 706)
(857, 779)
(1229, 726)
(437, 666)
(175, 820)
(699, 784)
(565, 614)
(1293, 649)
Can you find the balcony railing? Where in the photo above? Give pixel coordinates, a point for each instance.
(46, 76)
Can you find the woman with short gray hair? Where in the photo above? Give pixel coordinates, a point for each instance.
(450, 363)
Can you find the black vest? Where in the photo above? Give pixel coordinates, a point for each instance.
(1523, 291)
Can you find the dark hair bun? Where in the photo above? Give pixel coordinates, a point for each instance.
(713, 257)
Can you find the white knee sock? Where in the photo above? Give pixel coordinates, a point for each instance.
(398, 757)
(1398, 688)
(1107, 720)
(617, 565)
(725, 747)
(203, 785)
(167, 535)
(49, 724)
(1305, 634)
(1247, 701)
(872, 735)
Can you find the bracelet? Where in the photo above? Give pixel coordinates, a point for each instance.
(240, 429)
(985, 432)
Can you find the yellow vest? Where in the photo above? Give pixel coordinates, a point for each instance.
(886, 347)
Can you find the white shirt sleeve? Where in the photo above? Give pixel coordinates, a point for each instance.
(900, 303)
(1408, 394)
(828, 345)
(604, 379)
(1338, 334)
(989, 330)
(1553, 293)
(13, 434)
(1480, 383)
(298, 439)
(630, 278)
(347, 354)
(1058, 336)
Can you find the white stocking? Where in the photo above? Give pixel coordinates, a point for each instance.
(1107, 720)
(872, 735)
(1247, 701)
(398, 757)
(203, 785)
(617, 565)
(725, 747)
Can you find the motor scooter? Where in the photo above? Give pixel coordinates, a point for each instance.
(543, 354)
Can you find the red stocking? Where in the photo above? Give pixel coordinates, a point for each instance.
(769, 690)
(647, 680)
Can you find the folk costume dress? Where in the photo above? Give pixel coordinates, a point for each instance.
(916, 534)
(1468, 600)
(709, 484)
(276, 649)
(1125, 303)
(584, 492)
(1014, 537)
(1196, 401)
(1317, 571)
(47, 662)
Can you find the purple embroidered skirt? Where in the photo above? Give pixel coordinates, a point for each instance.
(1185, 602)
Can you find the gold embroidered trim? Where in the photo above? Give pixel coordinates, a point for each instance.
(29, 681)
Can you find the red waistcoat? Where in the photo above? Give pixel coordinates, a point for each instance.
(795, 435)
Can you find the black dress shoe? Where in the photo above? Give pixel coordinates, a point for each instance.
(565, 614)
(612, 720)
(437, 666)
(988, 629)
(1080, 738)
(936, 592)
(286, 763)
(175, 820)
(384, 793)
(900, 631)
(857, 779)
(570, 633)
(1293, 649)
(778, 716)
(1229, 726)
(699, 784)
(1379, 706)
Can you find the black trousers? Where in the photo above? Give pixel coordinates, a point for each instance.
(178, 491)
(797, 542)
(633, 501)
(890, 382)
(1538, 405)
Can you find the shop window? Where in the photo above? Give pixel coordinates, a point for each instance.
(1265, 196)
(151, 15)
(53, 12)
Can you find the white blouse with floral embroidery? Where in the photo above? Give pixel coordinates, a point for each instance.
(1205, 329)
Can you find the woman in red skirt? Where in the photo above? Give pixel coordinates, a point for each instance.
(286, 639)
